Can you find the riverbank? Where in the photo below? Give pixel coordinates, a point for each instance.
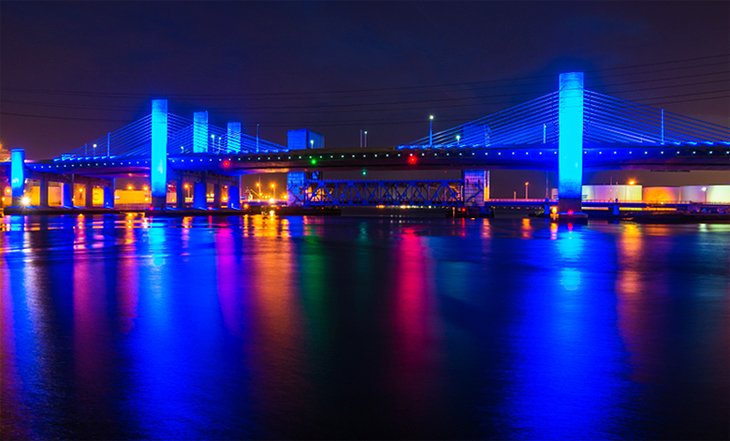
(660, 217)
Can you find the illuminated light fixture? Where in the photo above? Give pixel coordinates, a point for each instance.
(226, 164)
(412, 160)
(25, 201)
(313, 161)
(632, 182)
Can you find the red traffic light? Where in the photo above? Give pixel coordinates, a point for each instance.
(412, 160)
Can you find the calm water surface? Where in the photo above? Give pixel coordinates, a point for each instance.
(255, 327)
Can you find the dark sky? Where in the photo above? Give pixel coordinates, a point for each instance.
(71, 71)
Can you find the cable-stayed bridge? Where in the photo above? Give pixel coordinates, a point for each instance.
(567, 130)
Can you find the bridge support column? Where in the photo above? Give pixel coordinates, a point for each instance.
(234, 197)
(476, 185)
(17, 175)
(180, 193)
(216, 196)
(546, 208)
(613, 209)
(67, 194)
(158, 157)
(295, 190)
(200, 197)
(109, 194)
(89, 195)
(43, 193)
(570, 142)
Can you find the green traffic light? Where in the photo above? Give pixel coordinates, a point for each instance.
(313, 161)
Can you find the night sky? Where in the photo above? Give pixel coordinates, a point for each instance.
(73, 71)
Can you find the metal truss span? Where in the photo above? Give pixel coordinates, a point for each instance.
(332, 193)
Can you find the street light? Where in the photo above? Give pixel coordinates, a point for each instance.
(311, 143)
(366, 138)
(430, 130)
(527, 185)
(458, 138)
(704, 195)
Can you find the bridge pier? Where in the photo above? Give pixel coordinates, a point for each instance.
(67, 194)
(614, 210)
(234, 197)
(109, 194)
(216, 195)
(200, 197)
(43, 192)
(89, 195)
(180, 193)
(546, 208)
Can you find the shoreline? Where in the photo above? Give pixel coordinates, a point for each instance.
(647, 217)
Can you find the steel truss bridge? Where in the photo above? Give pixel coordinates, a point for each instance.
(568, 130)
(337, 193)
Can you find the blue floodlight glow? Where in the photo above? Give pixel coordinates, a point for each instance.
(570, 147)
(17, 172)
(158, 156)
(200, 132)
(234, 137)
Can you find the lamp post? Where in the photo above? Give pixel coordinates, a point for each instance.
(704, 195)
(430, 130)
(527, 185)
(365, 138)
(257, 137)
(458, 138)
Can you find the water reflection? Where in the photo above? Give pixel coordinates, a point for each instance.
(268, 327)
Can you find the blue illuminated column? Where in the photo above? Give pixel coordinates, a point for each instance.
(158, 162)
(570, 146)
(234, 137)
(180, 193)
(67, 195)
(17, 175)
(200, 195)
(109, 194)
(234, 197)
(200, 132)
